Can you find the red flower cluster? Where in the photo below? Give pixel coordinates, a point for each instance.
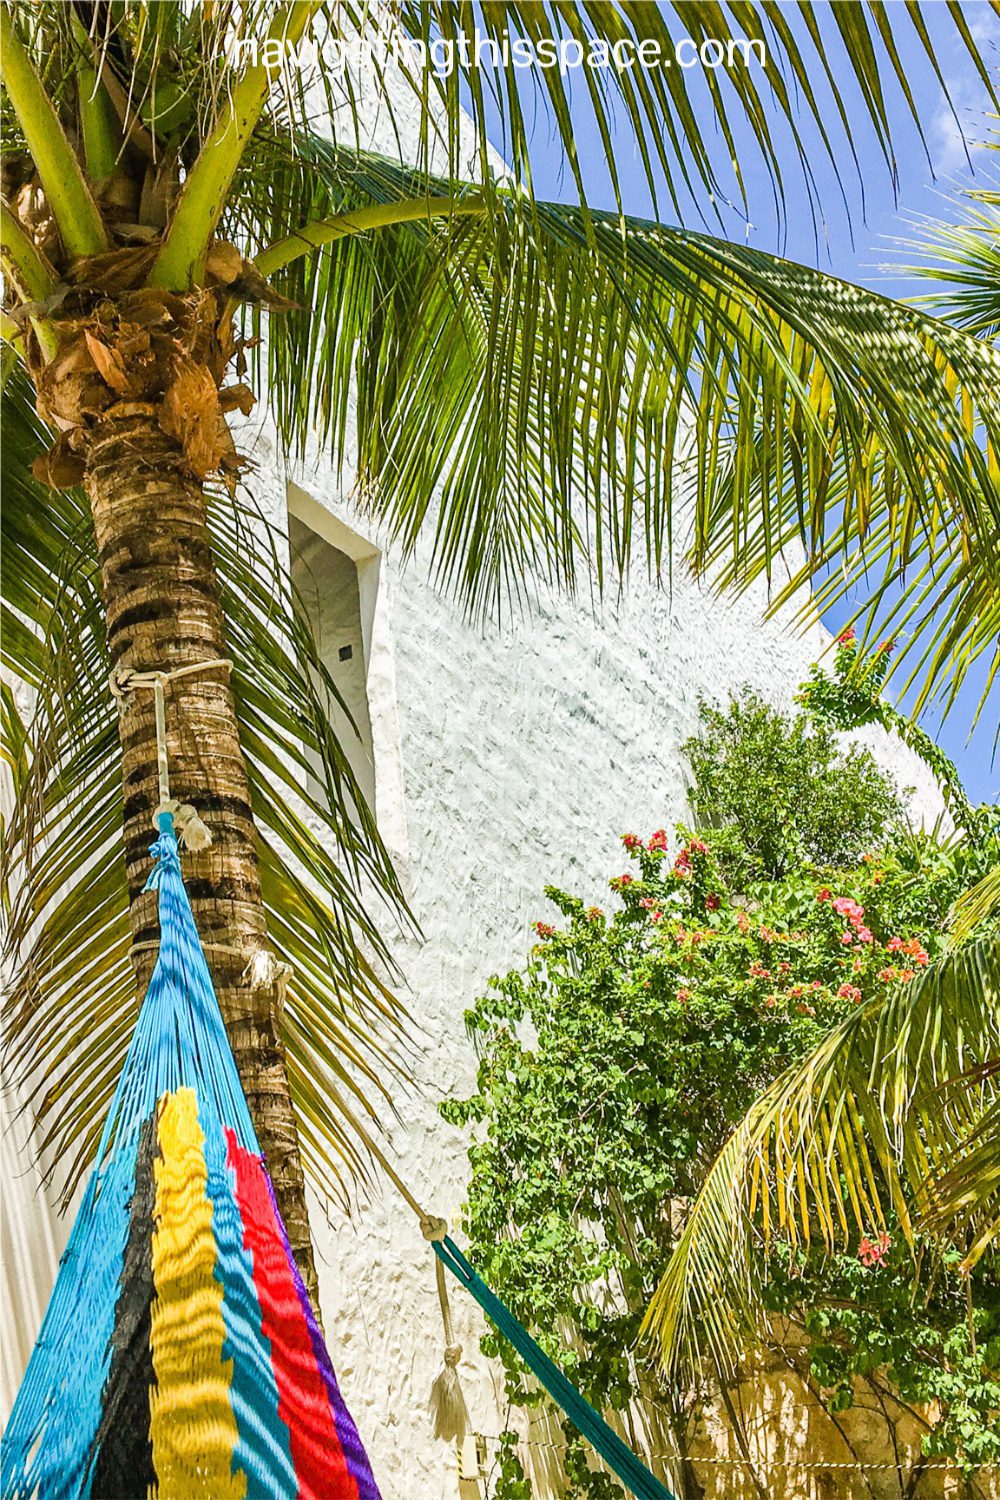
(912, 947)
(544, 930)
(658, 843)
(872, 1253)
(846, 637)
(594, 914)
(849, 992)
(854, 913)
(620, 881)
(683, 996)
(632, 841)
(712, 901)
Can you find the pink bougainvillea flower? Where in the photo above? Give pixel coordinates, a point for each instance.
(784, 967)
(806, 1010)
(658, 842)
(594, 914)
(631, 841)
(872, 1253)
(817, 984)
(864, 934)
(846, 637)
(743, 921)
(544, 930)
(757, 970)
(887, 975)
(683, 996)
(712, 901)
(878, 878)
(914, 949)
(888, 646)
(823, 894)
(847, 937)
(849, 992)
(907, 974)
(695, 846)
(894, 944)
(770, 1001)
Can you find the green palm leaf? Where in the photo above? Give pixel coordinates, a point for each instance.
(170, 64)
(523, 373)
(855, 1129)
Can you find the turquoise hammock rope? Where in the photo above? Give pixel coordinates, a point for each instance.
(603, 1439)
(179, 1353)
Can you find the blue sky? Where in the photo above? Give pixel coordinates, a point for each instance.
(855, 241)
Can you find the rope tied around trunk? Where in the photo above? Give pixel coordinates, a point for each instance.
(126, 680)
(263, 969)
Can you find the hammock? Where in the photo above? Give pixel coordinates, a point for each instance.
(179, 1356)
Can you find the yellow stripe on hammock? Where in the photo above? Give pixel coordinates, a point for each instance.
(192, 1425)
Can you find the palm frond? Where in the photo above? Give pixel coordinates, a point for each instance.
(976, 907)
(172, 68)
(964, 259)
(71, 1007)
(854, 1131)
(964, 1201)
(523, 374)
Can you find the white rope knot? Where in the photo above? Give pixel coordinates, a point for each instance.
(434, 1228)
(265, 971)
(123, 682)
(191, 831)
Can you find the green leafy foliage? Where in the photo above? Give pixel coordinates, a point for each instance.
(934, 1338)
(851, 696)
(784, 791)
(614, 1066)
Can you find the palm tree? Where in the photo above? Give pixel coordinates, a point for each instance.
(521, 371)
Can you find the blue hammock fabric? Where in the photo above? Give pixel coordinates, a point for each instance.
(603, 1439)
(179, 1358)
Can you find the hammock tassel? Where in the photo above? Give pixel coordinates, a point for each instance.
(447, 1404)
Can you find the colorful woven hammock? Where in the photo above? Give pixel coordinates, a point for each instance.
(179, 1358)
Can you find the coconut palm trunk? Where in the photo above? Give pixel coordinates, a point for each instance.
(163, 612)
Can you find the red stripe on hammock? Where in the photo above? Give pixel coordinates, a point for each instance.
(303, 1404)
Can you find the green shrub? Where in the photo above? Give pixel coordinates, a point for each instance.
(785, 791)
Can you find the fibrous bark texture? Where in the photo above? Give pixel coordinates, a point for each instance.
(163, 612)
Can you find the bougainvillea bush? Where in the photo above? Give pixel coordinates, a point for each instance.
(614, 1065)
